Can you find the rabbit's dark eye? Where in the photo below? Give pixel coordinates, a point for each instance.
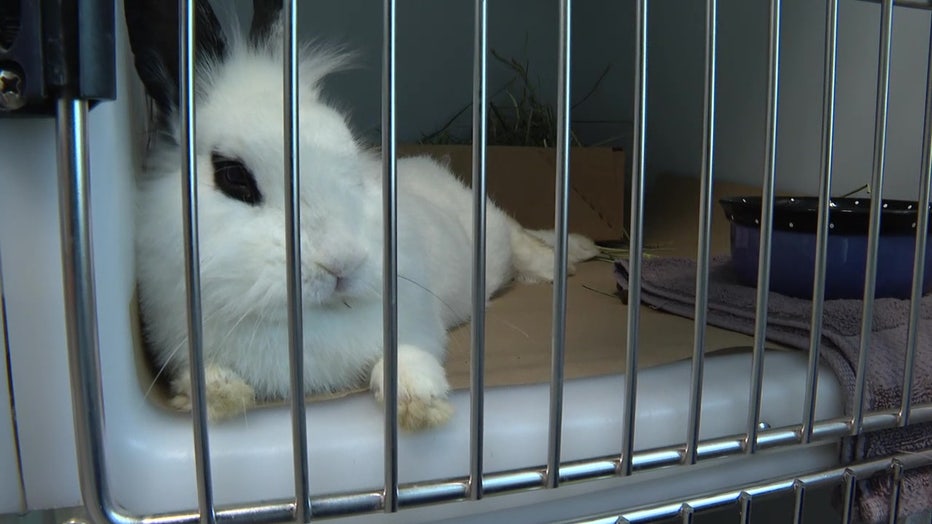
(235, 180)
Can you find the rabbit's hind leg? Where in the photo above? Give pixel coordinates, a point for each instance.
(532, 253)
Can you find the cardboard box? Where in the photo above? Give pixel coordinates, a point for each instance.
(522, 181)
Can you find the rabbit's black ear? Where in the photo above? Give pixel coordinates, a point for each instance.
(265, 14)
(154, 33)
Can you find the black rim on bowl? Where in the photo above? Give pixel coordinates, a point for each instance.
(847, 216)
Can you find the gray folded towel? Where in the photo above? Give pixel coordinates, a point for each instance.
(668, 284)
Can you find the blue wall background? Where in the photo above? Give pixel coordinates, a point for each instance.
(434, 79)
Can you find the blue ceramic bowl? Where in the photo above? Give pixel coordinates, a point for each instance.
(793, 246)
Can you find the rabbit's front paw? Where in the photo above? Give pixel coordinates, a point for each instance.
(422, 389)
(228, 395)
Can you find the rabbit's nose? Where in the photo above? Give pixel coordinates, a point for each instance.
(332, 270)
(342, 272)
(341, 268)
(336, 274)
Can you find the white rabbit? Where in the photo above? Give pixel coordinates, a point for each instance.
(242, 241)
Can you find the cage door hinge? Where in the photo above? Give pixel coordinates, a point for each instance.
(51, 48)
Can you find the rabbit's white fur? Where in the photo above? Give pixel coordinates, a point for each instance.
(242, 250)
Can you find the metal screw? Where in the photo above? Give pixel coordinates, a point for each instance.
(11, 90)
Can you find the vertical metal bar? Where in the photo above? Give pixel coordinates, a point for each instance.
(636, 246)
(561, 212)
(825, 188)
(293, 258)
(477, 356)
(896, 471)
(873, 235)
(705, 225)
(686, 513)
(7, 365)
(192, 263)
(766, 225)
(744, 501)
(390, 263)
(848, 481)
(81, 304)
(919, 259)
(799, 507)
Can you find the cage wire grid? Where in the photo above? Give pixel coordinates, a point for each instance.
(85, 359)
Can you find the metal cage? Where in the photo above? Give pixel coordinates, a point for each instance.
(81, 308)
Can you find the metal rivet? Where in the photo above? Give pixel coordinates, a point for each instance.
(885, 206)
(831, 225)
(763, 425)
(11, 90)
(791, 224)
